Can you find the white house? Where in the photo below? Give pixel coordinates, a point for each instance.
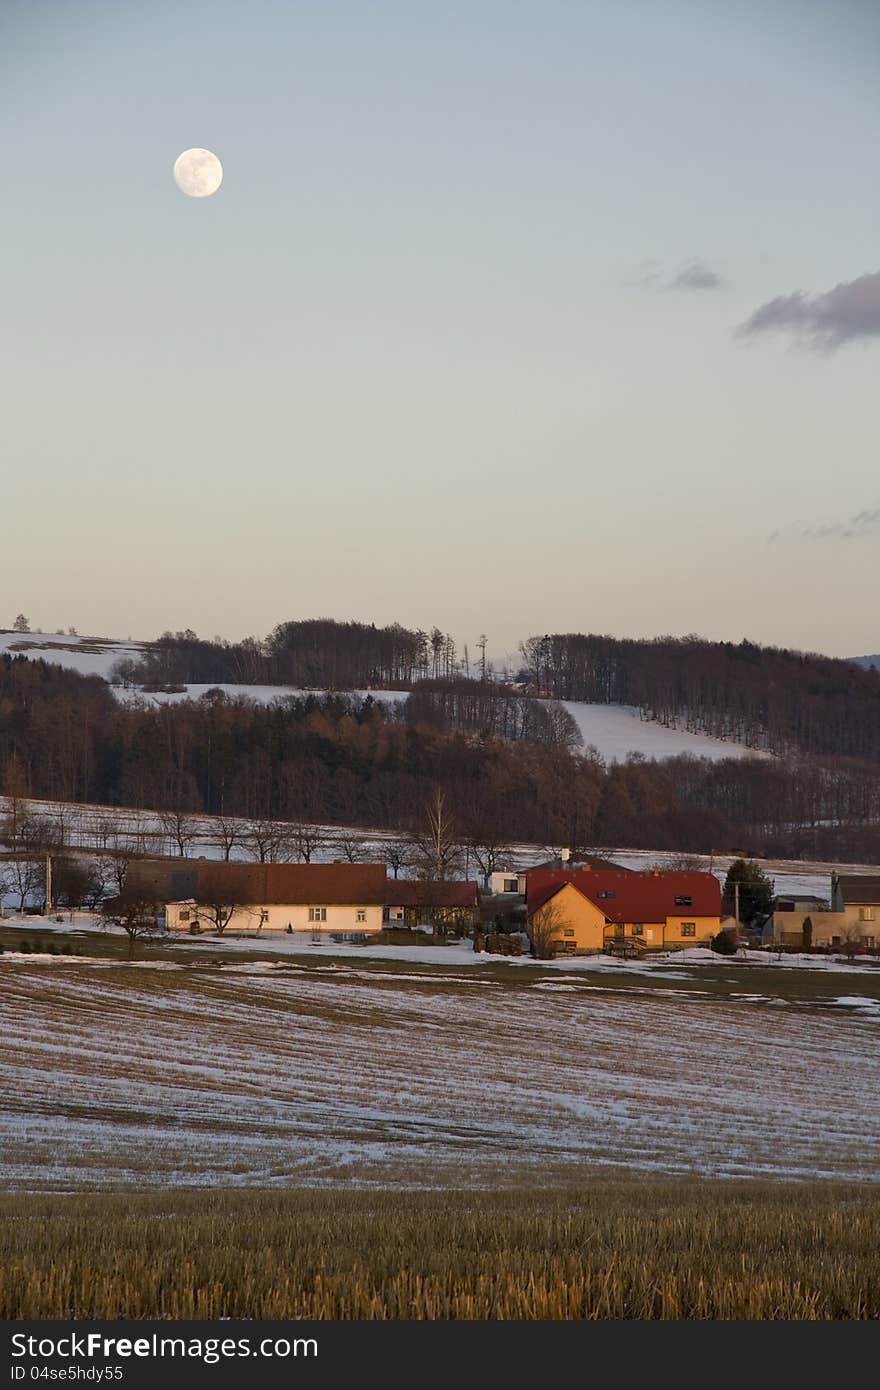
(314, 902)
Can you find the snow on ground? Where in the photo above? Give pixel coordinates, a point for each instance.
(453, 954)
(121, 1076)
(91, 656)
(260, 694)
(618, 730)
(788, 877)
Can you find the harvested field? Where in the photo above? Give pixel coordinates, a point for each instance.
(612, 1250)
(158, 1075)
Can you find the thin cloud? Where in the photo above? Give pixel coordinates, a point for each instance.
(854, 528)
(825, 321)
(696, 275)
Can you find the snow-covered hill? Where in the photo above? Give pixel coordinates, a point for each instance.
(615, 730)
(91, 656)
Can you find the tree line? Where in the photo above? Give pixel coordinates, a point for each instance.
(767, 698)
(350, 761)
(317, 653)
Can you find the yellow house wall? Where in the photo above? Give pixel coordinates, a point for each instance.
(847, 925)
(583, 917)
(247, 919)
(651, 934)
(668, 933)
(706, 927)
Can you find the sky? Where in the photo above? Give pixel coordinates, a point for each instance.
(510, 317)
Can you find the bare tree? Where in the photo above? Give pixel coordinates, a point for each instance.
(136, 832)
(307, 840)
(102, 875)
(229, 834)
(219, 901)
(437, 846)
(29, 838)
(137, 915)
(489, 851)
(71, 882)
(270, 842)
(397, 856)
(352, 847)
(547, 929)
(28, 878)
(6, 881)
(118, 860)
(181, 829)
(96, 830)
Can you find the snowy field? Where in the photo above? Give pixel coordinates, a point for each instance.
(618, 730)
(260, 694)
(90, 656)
(155, 1074)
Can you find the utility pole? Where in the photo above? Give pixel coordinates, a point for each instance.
(736, 908)
(48, 885)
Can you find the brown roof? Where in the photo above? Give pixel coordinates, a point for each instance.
(331, 884)
(626, 896)
(859, 888)
(410, 892)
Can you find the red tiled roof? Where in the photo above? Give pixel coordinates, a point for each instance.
(331, 884)
(635, 897)
(541, 896)
(409, 892)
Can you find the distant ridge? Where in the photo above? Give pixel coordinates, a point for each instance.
(866, 661)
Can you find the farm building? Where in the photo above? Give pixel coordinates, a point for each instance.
(339, 901)
(854, 919)
(434, 903)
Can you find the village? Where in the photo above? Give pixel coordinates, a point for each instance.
(567, 905)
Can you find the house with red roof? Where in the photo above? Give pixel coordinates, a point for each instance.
(583, 910)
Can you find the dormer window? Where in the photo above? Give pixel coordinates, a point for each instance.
(684, 900)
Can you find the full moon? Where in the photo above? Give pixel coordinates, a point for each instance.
(198, 173)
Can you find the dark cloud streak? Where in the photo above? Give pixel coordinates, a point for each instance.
(822, 322)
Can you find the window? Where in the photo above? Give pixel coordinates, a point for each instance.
(361, 914)
(569, 931)
(638, 929)
(184, 915)
(317, 914)
(605, 893)
(684, 900)
(866, 914)
(868, 940)
(511, 885)
(688, 928)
